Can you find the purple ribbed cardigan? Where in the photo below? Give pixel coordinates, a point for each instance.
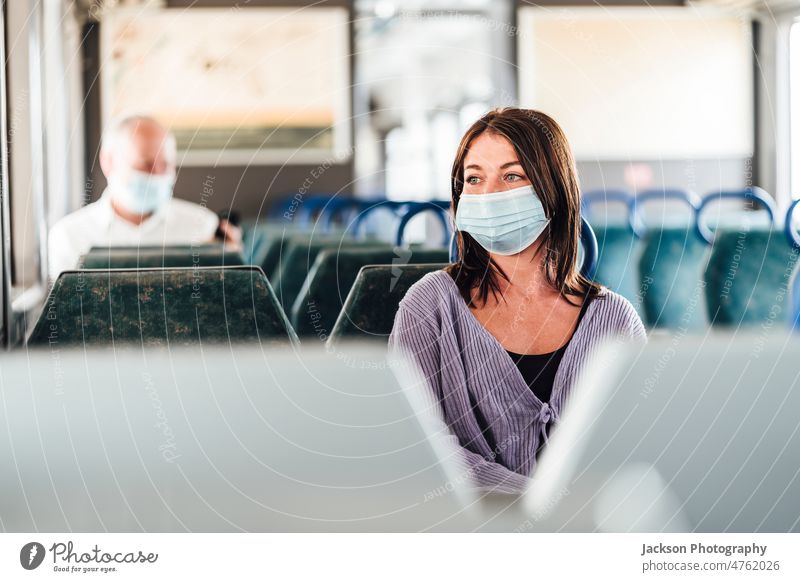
(467, 368)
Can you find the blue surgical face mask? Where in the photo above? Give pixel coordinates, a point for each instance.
(503, 223)
(141, 192)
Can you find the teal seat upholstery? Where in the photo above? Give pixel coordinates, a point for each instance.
(617, 260)
(272, 254)
(268, 241)
(255, 237)
(371, 305)
(262, 242)
(298, 254)
(209, 255)
(793, 237)
(671, 278)
(747, 278)
(331, 277)
(161, 306)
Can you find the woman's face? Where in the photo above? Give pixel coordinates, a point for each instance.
(491, 165)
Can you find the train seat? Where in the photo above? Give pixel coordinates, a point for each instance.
(162, 306)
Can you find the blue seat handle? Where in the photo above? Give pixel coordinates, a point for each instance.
(370, 206)
(590, 250)
(752, 194)
(311, 204)
(687, 196)
(605, 196)
(691, 199)
(283, 205)
(337, 206)
(454, 247)
(588, 241)
(791, 235)
(440, 207)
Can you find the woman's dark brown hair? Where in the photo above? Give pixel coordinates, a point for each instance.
(544, 153)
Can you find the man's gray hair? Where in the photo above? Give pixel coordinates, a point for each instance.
(120, 128)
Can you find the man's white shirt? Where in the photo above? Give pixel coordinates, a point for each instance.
(178, 222)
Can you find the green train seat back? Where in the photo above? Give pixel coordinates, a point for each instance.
(255, 240)
(747, 277)
(617, 258)
(671, 278)
(372, 303)
(330, 279)
(280, 241)
(299, 254)
(262, 246)
(146, 257)
(264, 241)
(160, 306)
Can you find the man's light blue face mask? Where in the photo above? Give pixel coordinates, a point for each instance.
(142, 193)
(503, 223)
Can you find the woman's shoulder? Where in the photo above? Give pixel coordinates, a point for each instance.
(617, 313)
(431, 293)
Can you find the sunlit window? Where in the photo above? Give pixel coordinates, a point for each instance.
(794, 96)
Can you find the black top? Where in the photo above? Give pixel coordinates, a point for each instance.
(539, 370)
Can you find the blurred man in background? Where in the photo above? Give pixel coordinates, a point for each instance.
(138, 158)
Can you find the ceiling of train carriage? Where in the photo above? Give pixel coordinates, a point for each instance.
(388, 7)
(771, 5)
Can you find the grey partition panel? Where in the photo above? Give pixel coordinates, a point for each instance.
(217, 440)
(701, 434)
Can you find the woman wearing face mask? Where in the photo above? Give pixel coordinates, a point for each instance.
(501, 334)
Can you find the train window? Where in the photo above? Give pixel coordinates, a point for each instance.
(26, 163)
(451, 63)
(794, 92)
(225, 102)
(602, 75)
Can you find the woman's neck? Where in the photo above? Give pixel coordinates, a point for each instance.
(526, 275)
(525, 271)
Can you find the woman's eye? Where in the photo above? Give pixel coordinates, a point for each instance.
(513, 177)
(472, 180)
